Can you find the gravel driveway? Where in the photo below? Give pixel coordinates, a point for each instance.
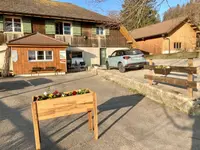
(127, 120)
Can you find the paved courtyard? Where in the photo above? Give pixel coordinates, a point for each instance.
(139, 75)
(127, 120)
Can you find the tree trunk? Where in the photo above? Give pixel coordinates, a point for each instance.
(6, 67)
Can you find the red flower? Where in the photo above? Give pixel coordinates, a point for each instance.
(74, 92)
(55, 93)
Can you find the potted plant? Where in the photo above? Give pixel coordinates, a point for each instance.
(165, 70)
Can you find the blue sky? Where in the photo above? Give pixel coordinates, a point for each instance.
(104, 7)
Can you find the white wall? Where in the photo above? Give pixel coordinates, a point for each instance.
(2, 56)
(91, 55)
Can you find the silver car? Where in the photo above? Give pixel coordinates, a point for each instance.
(126, 59)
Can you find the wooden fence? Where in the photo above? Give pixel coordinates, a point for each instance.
(189, 83)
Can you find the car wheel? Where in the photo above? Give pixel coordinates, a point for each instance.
(107, 66)
(121, 68)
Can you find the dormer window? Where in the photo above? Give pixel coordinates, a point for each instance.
(12, 24)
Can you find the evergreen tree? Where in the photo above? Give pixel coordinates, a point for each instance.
(138, 13)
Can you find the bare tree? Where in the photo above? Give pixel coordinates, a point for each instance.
(138, 9)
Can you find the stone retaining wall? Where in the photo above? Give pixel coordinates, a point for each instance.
(170, 99)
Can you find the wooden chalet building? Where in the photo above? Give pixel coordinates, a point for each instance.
(174, 35)
(88, 34)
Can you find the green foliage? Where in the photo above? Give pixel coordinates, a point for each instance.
(192, 10)
(138, 13)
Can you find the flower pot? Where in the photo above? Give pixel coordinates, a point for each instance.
(163, 71)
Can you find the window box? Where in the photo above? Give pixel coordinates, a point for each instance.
(162, 70)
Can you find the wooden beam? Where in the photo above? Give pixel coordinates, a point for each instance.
(36, 125)
(96, 134)
(90, 124)
(150, 71)
(128, 37)
(181, 55)
(190, 78)
(173, 81)
(192, 70)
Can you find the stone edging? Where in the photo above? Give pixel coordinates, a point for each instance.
(170, 99)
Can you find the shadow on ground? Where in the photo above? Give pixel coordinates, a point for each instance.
(23, 126)
(195, 139)
(21, 84)
(115, 104)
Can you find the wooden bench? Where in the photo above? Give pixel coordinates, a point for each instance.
(40, 69)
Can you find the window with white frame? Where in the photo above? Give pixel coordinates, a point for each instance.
(40, 55)
(13, 24)
(63, 28)
(100, 31)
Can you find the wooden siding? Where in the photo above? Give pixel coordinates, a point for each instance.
(87, 29)
(184, 34)
(113, 38)
(151, 45)
(23, 66)
(38, 25)
(116, 39)
(157, 45)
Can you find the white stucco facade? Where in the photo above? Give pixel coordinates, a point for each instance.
(91, 55)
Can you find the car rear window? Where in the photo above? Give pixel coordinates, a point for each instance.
(132, 52)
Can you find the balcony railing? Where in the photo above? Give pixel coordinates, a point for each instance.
(6, 37)
(64, 38)
(78, 41)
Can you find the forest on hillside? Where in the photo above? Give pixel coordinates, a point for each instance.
(192, 10)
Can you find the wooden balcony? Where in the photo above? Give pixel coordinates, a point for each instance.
(94, 41)
(77, 41)
(6, 37)
(84, 41)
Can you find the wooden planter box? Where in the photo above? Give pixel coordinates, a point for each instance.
(164, 71)
(63, 106)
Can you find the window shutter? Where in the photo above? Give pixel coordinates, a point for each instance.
(50, 27)
(94, 30)
(1, 22)
(76, 28)
(27, 27)
(107, 31)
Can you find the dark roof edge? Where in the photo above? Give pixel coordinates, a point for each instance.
(45, 36)
(53, 17)
(187, 18)
(152, 36)
(20, 38)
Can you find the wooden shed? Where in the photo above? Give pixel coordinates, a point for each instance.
(38, 52)
(169, 36)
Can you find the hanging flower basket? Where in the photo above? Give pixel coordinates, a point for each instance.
(164, 70)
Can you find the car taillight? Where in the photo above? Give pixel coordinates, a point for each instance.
(126, 57)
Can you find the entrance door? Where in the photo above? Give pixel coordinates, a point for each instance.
(102, 56)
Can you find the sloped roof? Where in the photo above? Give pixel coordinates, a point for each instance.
(37, 39)
(158, 29)
(50, 8)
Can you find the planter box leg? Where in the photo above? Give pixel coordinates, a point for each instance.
(95, 117)
(90, 120)
(36, 126)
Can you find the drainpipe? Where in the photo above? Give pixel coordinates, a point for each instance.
(167, 38)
